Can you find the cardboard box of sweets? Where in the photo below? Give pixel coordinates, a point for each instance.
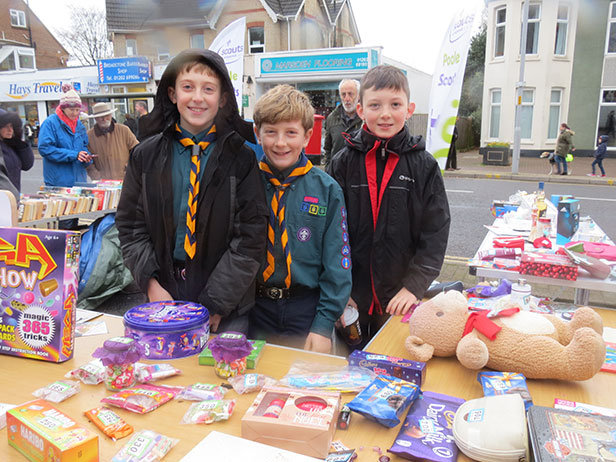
(298, 420)
(43, 433)
(548, 265)
(411, 371)
(206, 358)
(39, 276)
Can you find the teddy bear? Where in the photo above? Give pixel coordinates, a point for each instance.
(540, 346)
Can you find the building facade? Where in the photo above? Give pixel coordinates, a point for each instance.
(570, 72)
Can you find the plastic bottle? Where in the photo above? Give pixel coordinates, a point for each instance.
(538, 211)
(520, 292)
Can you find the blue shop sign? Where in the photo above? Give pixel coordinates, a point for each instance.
(355, 61)
(124, 70)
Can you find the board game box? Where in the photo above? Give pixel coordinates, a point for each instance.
(39, 275)
(559, 435)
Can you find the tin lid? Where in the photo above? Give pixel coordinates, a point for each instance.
(168, 316)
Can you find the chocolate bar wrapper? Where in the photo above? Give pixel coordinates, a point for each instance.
(427, 434)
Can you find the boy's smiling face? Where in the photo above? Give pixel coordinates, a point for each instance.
(283, 142)
(197, 94)
(385, 111)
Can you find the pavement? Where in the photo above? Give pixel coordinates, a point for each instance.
(533, 169)
(455, 268)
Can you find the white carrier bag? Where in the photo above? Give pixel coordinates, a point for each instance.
(492, 429)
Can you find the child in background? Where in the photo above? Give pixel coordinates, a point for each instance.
(397, 206)
(192, 216)
(600, 154)
(303, 285)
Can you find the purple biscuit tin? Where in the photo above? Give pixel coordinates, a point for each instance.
(170, 329)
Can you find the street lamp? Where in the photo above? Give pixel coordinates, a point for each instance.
(517, 130)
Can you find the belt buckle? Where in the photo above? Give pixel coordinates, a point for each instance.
(274, 293)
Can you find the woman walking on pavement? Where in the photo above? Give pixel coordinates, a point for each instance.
(564, 145)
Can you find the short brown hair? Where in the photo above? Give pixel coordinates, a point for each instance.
(384, 76)
(283, 103)
(197, 66)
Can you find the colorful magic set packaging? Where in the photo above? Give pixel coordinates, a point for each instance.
(39, 274)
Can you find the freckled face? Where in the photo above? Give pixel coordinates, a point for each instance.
(283, 142)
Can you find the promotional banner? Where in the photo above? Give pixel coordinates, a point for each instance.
(229, 44)
(447, 85)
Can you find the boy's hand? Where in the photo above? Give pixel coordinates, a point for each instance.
(156, 292)
(401, 303)
(214, 322)
(318, 343)
(339, 323)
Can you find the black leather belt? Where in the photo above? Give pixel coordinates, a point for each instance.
(278, 293)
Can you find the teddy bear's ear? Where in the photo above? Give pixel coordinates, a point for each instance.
(418, 349)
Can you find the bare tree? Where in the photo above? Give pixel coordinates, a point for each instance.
(86, 36)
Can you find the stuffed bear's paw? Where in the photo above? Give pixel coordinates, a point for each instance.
(472, 353)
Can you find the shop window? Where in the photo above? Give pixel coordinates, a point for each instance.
(606, 125)
(526, 114)
(18, 18)
(8, 64)
(26, 59)
(256, 39)
(197, 40)
(562, 24)
(611, 30)
(131, 47)
(499, 32)
(532, 32)
(554, 121)
(495, 111)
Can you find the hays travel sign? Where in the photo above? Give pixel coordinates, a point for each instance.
(15, 89)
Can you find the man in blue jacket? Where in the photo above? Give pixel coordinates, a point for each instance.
(63, 144)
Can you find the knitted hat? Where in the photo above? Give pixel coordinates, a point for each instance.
(69, 98)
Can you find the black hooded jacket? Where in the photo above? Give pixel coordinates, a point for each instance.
(231, 210)
(407, 246)
(17, 153)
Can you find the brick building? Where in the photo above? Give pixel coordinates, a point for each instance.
(25, 42)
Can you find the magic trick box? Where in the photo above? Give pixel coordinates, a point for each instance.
(39, 274)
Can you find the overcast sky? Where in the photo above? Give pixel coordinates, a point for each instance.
(410, 31)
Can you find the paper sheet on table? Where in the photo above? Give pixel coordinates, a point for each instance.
(609, 334)
(86, 315)
(91, 328)
(217, 446)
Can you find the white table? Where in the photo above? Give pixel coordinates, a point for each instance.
(583, 285)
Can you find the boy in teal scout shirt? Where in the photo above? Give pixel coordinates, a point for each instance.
(303, 285)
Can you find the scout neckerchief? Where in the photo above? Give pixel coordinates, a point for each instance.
(277, 211)
(376, 196)
(190, 243)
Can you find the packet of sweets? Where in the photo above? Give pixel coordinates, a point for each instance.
(427, 432)
(501, 383)
(385, 400)
(201, 392)
(249, 383)
(146, 373)
(110, 423)
(207, 412)
(145, 446)
(91, 373)
(58, 391)
(143, 398)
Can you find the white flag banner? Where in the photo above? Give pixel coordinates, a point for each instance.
(229, 44)
(447, 85)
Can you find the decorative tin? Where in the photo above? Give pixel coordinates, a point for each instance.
(169, 329)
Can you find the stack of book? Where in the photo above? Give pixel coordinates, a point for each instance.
(55, 201)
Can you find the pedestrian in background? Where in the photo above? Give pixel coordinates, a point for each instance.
(564, 145)
(452, 156)
(343, 119)
(63, 143)
(130, 123)
(600, 154)
(17, 153)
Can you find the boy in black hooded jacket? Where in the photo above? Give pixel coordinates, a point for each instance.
(192, 217)
(398, 213)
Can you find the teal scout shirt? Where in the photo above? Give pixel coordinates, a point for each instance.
(315, 215)
(180, 178)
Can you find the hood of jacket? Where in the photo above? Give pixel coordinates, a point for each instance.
(10, 117)
(604, 138)
(165, 112)
(401, 143)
